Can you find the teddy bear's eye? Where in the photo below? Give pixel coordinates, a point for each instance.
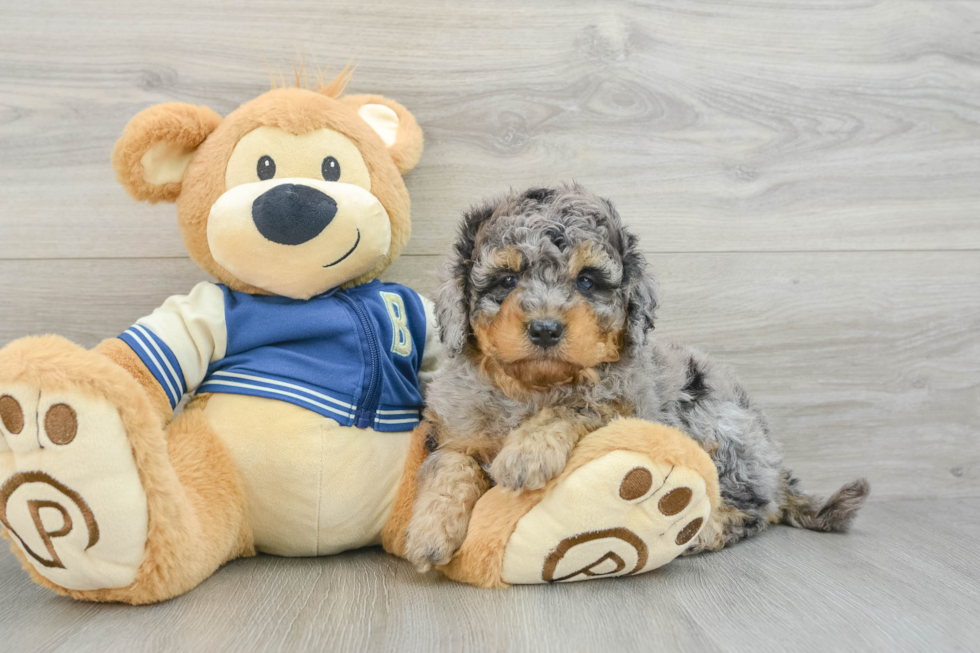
(266, 168)
(330, 169)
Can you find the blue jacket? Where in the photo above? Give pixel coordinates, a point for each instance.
(352, 355)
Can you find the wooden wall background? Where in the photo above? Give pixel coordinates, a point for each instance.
(805, 177)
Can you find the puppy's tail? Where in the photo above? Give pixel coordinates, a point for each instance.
(832, 516)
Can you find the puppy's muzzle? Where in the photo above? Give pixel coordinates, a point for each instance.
(545, 333)
(293, 214)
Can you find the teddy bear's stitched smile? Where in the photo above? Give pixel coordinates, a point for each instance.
(349, 252)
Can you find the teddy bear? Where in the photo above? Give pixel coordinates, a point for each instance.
(278, 409)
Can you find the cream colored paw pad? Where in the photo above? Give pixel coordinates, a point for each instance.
(618, 515)
(70, 495)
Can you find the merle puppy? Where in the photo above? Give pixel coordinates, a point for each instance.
(546, 314)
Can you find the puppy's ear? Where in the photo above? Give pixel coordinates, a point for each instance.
(641, 294)
(453, 296)
(394, 124)
(153, 152)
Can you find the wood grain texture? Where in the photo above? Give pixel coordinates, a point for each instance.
(903, 580)
(715, 126)
(868, 364)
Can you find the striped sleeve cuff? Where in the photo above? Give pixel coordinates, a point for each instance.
(159, 359)
(397, 420)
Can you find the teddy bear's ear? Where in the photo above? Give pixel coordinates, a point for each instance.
(394, 124)
(151, 155)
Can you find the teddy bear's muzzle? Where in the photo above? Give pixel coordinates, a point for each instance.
(298, 237)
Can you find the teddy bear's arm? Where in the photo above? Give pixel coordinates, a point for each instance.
(119, 353)
(169, 350)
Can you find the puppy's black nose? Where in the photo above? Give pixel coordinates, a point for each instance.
(292, 214)
(545, 333)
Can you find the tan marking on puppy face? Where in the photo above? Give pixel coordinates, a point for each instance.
(507, 357)
(508, 258)
(531, 375)
(504, 336)
(586, 342)
(506, 351)
(586, 255)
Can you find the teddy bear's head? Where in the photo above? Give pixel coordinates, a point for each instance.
(294, 193)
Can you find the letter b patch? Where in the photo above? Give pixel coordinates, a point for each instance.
(401, 340)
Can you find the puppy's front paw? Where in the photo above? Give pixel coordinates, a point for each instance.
(527, 465)
(428, 546)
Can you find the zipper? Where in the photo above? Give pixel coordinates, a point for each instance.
(368, 403)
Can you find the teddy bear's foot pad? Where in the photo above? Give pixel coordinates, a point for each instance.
(620, 514)
(70, 495)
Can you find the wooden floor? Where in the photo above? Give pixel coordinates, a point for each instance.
(805, 179)
(905, 579)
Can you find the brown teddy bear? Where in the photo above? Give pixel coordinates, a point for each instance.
(302, 434)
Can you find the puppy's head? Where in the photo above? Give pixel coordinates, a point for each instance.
(544, 285)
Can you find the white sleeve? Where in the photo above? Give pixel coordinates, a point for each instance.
(180, 339)
(432, 354)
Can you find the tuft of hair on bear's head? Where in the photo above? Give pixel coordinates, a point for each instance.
(334, 88)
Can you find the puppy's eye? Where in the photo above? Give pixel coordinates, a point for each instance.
(266, 168)
(508, 282)
(330, 169)
(585, 282)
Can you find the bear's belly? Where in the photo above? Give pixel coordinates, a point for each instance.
(313, 487)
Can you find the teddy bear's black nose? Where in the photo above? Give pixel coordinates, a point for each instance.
(292, 214)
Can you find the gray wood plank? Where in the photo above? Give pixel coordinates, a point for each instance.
(714, 126)
(867, 363)
(903, 580)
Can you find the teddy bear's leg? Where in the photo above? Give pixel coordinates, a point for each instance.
(632, 497)
(99, 501)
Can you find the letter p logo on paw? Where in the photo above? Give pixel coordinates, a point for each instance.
(37, 510)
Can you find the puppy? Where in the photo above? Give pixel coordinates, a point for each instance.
(546, 312)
